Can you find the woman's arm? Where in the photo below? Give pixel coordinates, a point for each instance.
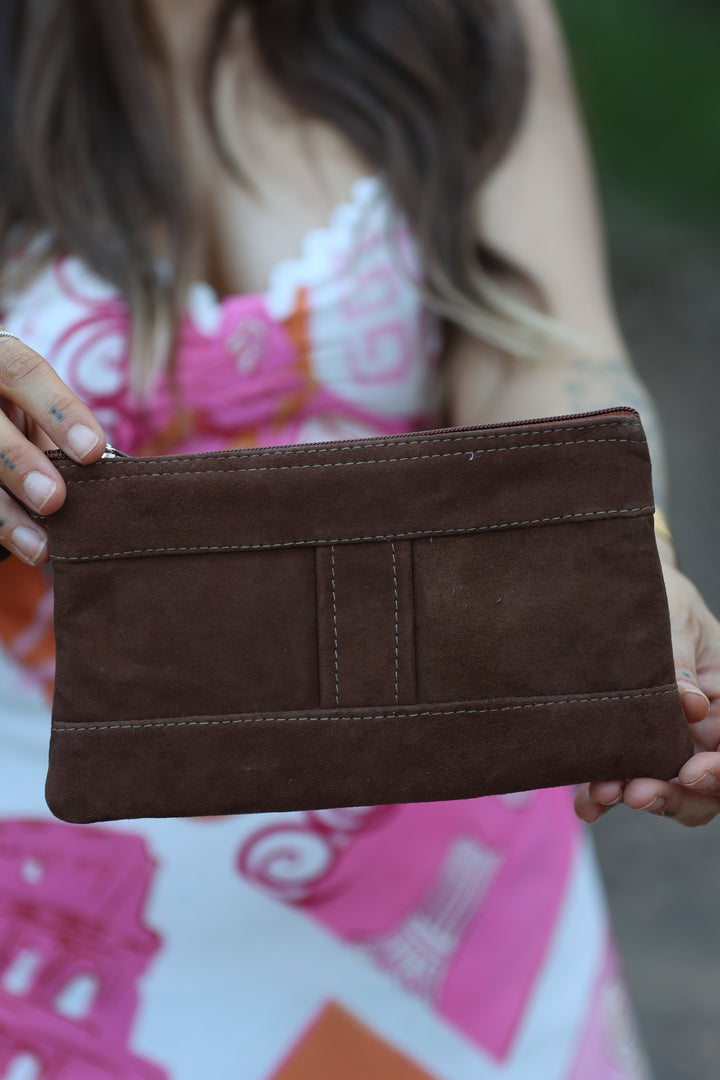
(540, 210)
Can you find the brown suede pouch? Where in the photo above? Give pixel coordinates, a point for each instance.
(437, 615)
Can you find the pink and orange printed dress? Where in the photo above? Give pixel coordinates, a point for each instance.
(446, 941)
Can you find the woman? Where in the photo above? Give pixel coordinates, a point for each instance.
(172, 285)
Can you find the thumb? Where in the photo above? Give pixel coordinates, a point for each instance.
(695, 703)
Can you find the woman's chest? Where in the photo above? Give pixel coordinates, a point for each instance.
(335, 343)
(305, 316)
(292, 172)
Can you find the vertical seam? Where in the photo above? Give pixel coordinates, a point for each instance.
(335, 630)
(317, 565)
(413, 609)
(397, 645)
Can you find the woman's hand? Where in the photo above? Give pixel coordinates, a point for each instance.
(37, 412)
(694, 797)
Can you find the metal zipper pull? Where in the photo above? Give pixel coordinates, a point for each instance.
(111, 453)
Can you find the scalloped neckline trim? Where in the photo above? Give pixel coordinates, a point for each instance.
(316, 245)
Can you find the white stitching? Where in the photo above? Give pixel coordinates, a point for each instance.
(335, 629)
(395, 589)
(323, 449)
(355, 539)
(341, 464)
(355, 719)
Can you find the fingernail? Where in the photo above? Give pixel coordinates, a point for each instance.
(657, 804)
(616, 800)
(29, 543)
(39, 489)
(82, 440)
(688, 688)
(706, 782)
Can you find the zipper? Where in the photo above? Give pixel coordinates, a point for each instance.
(111, 454)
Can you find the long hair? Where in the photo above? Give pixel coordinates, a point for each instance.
(429, 91)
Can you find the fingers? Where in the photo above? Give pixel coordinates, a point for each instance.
(695, 703)
(30, 388)
(20, 534)
(688, 807)
(28, 475)
(702, 773)
(594, 800)
(688, 615)
(30, 383)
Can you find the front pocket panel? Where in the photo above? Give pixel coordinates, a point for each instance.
(556, 609)
(166, 622)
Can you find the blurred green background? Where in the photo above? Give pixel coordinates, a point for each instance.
(648, 74)
(649, 77)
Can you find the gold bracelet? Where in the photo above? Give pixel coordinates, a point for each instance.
(662, 528)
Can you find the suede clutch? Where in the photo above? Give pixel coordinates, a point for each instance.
(437, 615)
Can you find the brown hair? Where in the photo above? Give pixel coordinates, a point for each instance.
(429, 91)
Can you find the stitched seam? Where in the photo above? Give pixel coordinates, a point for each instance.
(378, 716)
(467, 437)
(356, 539)
(395, 590)
(413, 625)
(342, 464)
(335, 629)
